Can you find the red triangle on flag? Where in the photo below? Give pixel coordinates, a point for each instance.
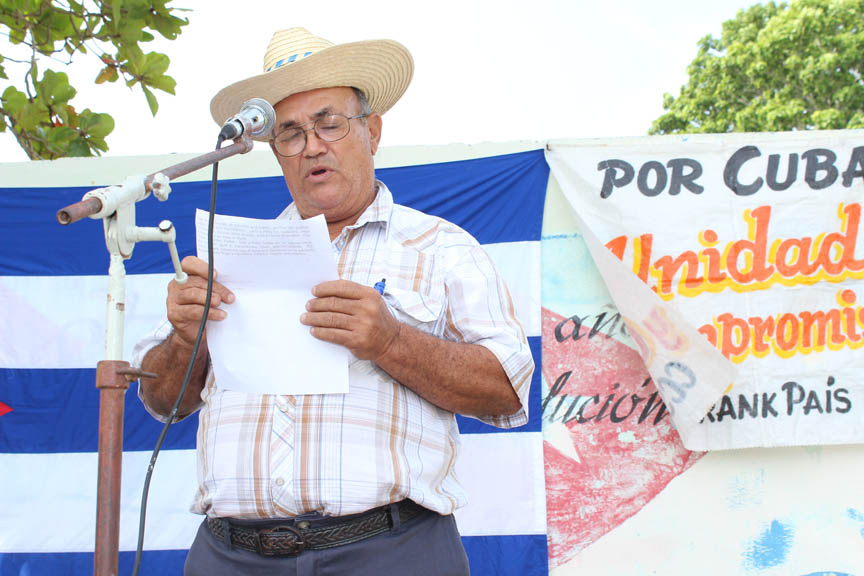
(4, 409)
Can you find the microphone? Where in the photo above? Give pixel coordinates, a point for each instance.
(257, 116)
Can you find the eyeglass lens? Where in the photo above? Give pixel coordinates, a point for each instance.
(329, 128)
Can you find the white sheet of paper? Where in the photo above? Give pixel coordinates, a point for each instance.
(271, 266)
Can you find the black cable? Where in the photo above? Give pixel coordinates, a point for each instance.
(187, 377)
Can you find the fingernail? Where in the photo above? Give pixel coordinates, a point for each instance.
(303, 317)
(229, 298)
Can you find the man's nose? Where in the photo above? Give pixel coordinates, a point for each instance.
(315, 146)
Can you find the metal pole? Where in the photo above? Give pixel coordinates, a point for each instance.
(91, 206)
(112, 390)
(112, 387)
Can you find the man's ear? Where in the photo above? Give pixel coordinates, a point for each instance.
(373, 122)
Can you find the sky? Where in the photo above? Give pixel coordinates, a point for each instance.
(484, 71)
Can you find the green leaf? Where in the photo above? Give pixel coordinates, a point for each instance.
(98, 144)
(17, 35)
(96, 124)
(78, 148)
(168, 26)
(115, 10)
(164, 83)
(13, 100)
(131, 30)
(155, 64)
(107, 74)
(61, 25)
(54, 88)
(151, 100)
(61, 135)
(31, 115)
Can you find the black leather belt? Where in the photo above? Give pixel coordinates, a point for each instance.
(291, 537)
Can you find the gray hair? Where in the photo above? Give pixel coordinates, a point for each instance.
(362, 100)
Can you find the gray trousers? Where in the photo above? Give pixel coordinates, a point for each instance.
(428, 545)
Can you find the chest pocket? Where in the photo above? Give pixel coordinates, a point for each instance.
(425, 313)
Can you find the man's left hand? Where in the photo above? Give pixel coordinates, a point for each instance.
(351, 315)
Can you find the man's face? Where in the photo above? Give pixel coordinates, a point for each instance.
(336, 179)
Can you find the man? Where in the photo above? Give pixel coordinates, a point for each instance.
(357, 483)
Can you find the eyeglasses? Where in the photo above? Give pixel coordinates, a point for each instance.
(331, 128)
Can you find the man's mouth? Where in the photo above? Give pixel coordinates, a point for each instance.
(317, 172)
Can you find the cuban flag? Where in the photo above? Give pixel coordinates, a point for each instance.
(53, 285)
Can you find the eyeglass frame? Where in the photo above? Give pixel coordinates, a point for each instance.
(314, 128)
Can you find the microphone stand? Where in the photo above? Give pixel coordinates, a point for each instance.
(115, 206)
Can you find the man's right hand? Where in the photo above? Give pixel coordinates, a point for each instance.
(185, 302)
(169, 359)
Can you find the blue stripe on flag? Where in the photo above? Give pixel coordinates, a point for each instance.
(507, 555)
(58, 411)
(487, 556)
(477, 195)
(162, 562)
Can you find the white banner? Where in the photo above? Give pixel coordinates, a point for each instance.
(752, 239)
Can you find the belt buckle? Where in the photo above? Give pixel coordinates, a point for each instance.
(272, 536)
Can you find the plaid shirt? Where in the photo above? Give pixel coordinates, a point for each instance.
(268, 456)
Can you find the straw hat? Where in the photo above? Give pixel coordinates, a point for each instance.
(297, 61)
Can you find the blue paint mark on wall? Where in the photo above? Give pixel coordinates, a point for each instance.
(771, 548)
(856, 515)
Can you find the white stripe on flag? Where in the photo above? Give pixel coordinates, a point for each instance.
(519, 263)
(59, 321)
(62, 487)
(503, 475)
(504, 500)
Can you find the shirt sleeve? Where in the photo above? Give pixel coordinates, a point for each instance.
(480, 311)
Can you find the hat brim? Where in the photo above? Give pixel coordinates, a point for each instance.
(382, 69)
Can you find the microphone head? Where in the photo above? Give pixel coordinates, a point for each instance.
(262, 116)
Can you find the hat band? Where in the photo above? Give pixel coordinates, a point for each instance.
(288, 60)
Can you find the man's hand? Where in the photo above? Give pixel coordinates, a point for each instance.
(463, 378)
(186, 301)
(354, 316)
(169, 359)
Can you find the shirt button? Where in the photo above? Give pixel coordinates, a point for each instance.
(280, 481)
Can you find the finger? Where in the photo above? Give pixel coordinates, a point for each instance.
(191, 314)
(327, 320)
(334, 304)
(333, 335)
(194, 266)
(342, 289)
(200, 282)
(196, 295)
